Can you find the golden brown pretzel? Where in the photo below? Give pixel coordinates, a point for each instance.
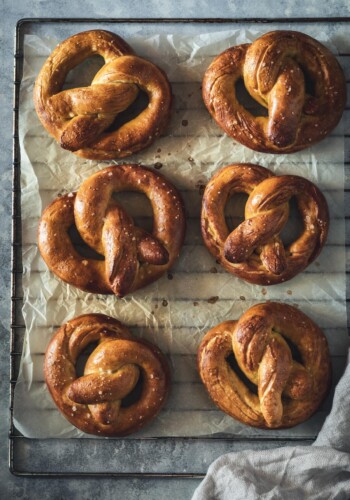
(288, 391)
(79, 118)
(295, 77)
(93, 402)
(253, 250)
(133, 257)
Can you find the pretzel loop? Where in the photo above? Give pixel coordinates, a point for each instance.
(254, 250)
(288, 390)
(80, 118)
(94, 401)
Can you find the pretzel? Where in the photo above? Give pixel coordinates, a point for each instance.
(79, 119)
(281, 391)
(133, 257)
(293, 76)
(94, 402)
(254, 250)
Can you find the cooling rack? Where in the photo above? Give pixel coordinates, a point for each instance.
(136, 457)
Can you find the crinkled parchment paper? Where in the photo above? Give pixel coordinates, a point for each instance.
(176, 311)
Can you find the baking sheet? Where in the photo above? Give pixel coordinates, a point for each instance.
(174, 313)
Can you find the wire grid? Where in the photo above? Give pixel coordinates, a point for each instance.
(17, 442)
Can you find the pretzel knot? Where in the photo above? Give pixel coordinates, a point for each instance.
(95, 402)
(254, 250)
(132, 256)
(293, 76)
(278, 391)
(80, 118)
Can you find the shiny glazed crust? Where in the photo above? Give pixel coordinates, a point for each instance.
(133, 257)
(79, 118)
(92, 402)
(288, 391)
(253, 251)
(277, 69)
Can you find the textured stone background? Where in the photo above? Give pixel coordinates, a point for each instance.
(11, 12)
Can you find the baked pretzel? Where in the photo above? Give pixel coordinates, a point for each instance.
(94, 401)
(254, 251)
(289, 391)
(132, 257)
(79, 118)
(293, 76)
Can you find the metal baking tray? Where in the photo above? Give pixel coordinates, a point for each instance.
(132, 457)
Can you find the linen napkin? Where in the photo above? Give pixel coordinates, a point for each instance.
(320, 471)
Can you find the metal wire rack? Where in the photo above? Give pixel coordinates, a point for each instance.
(37, 457)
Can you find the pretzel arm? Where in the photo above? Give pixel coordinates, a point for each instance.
(273, 256)
(274, 371)
(251, 233)
(150, 249)
(97, 388)
(120, 250)
(286, 101)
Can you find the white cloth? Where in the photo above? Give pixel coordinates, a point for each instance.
(320, 471)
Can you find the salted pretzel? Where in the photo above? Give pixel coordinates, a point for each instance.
(132, 256)
(278, 391)
(293, 76)
(80, 118)
(254, 250)
(96, 401)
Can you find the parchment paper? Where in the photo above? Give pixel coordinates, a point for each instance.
(176, 311)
